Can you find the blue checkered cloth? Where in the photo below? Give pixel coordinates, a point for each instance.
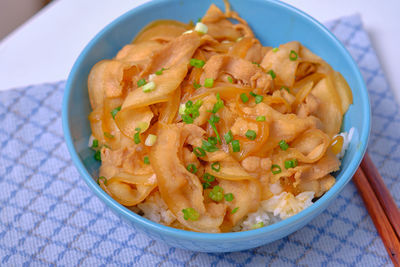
(48, 216)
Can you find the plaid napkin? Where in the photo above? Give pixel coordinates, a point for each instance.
(48, 216)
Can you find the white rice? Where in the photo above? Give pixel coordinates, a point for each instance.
(278, 207)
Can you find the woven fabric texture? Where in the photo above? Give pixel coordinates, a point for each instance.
(48, 216)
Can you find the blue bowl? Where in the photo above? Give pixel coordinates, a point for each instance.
(273, 23)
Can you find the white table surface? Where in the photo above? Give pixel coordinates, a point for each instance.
(45, 47)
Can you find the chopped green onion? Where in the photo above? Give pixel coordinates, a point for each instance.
(136, 137)
(198, 63)
(141, 82)
(259, 99)
(229, 197)
(235, 146)
(108, 135)
(216, 166)
(244, 97)
(208, 177)
(206, 185)
(199, 19)
(192, 168)
(187, 119)
(95, 143)
(228, 137)
(212, 140)
(260, 118)
(115, 111)
(284, 146)
(199, 152)
(258, 225)
(214, 118)
(148, 87)
(250, 134)
(209, 147)
(159, 72)
(275, 169)
(272, 73)
(102, 179)
(190, 214)
(182, 108)
(217, 193)
(208, 83)
(217, 106)
(146, 160)
(239, 39)
(97, 155)
(196, 85)
(252, 94)
(255, 63)
(234, 210)
(150, 140)
(290, 163)
(293, 55)
(275, 49)
(215, 130)
(286, 88)
(201, 27)
(229, 78)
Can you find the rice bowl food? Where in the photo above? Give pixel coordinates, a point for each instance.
(202, 128)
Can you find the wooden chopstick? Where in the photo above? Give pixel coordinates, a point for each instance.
(382, 193)
(378, 216)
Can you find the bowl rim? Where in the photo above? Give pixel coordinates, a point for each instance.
(284, 224)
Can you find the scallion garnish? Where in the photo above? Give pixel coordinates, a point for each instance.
(259, 99)
(217, 106)
(196, 85)
(209, 147)
(255, 63)
(190, 214)
(146, 160)
(291, 163)
(229, 78)
(234, 210)
(148, 87)
(260, 118)
(198, 63)
(216, 166)
(141, 82)
(209, 82)
(208, 177)
(192, 168)
(235, 146)
(159, 72)
(275, 49)
(95, 143)
(229, 197)
(293, 55)
(250, 134)
(97, 155)
(191, 111)
(206, 185)
(214, 118)
(272, 73)
(284, 146)
(215, 130)
(228, 137)
(136, 137)
(199, 152)
(217, 193)
(244, 97)
(275, 169)
(102, 179)
(115, 111)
